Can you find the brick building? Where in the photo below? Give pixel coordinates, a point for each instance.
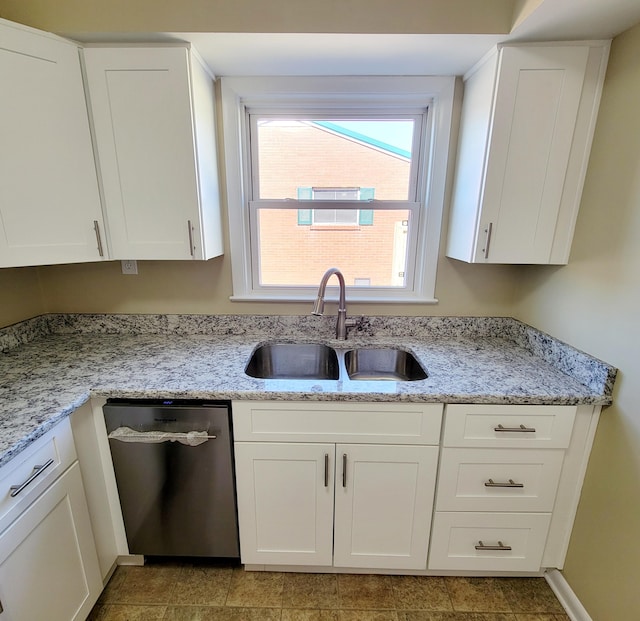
(313, 160)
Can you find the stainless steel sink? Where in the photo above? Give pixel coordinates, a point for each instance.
(294, 361)
(383, 363)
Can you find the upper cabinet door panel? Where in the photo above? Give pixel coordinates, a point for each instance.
(536, 108)
(527, 122)
(142, 112)
(49, 198)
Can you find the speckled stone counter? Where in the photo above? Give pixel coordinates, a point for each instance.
(52, 364)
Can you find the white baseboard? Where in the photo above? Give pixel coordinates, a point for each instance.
(137, 560)
(569, 600)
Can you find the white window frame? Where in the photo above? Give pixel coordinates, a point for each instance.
(238, 94)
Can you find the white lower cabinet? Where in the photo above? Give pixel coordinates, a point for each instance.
(352, 485)
(48, 564)
(383, 505)
(345, 505)
(342, 504)
(500, 469)
(285, 504)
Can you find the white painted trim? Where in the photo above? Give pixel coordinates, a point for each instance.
(570, 486)
(569, 600)
(329, 569)
(386, 92)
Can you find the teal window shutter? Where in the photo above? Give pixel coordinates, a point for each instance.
(305, 216)
(365, 217)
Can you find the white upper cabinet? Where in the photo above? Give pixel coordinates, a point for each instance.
(50, 208)
(153, 114)
(528, 117)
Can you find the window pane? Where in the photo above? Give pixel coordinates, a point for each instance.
(335, 216)
(349, 154)
(368, 256)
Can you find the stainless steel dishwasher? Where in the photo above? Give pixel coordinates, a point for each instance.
(173, 463)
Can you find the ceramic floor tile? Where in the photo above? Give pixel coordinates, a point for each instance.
(307, 614)
(256, 589)
(317, 591)
(365, 592)
(420, 593)
(202, 586)
(423, 615)
(490, 616)
(367, 615)
(540, 616)
(530, 595)
(125, 612)
(111, 591)
(477, 595)
(205, 592)
(215, 613)
(153, 584)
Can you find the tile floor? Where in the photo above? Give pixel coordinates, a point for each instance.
(202, 591)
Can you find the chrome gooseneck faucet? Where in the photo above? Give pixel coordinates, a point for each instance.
(318, 308)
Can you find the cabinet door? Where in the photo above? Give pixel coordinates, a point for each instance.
(50, 208)
(48, 564)
(142, 113)
(535, 112)
(384, 499)
(285, 502)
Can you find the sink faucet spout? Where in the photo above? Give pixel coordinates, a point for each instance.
(318, 307)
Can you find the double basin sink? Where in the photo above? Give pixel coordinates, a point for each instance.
(315, 361)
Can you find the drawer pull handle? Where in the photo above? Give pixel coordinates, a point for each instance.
(520, 429)
(37, 471)
(500, 547)
(510, 483)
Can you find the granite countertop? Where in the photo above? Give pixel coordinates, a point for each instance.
(51, 365)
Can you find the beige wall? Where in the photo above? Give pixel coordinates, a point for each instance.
(357, 16)
(205, 287)
(594, 304)
(20, 295)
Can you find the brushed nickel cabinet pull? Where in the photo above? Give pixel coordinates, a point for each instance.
(500, 546)
(326, 469)
(96, 228)
(487, 240)
(37, 471)
(520, 429)
(510, 483)
(344, 470)
(191, 248)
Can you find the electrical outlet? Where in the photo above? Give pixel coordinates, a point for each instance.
(129, 266)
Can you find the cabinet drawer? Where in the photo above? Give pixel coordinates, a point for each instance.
(498, 479)
(380, 423)
(508, 541)
(522, 426)
(33, 470)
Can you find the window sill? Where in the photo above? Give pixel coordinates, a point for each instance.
(351, 299)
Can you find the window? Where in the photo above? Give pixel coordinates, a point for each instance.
(339, 217)
(335, 172)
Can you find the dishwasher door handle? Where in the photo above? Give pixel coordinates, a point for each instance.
(189, 438)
